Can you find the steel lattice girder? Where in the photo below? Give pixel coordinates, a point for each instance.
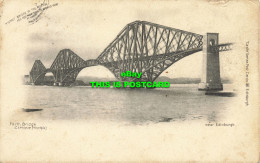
(138, 46)
(66, 66)
(37, 72)
(223, 47)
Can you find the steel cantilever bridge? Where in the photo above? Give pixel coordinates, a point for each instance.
(139, 47)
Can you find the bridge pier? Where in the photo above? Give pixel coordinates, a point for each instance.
(210, 79)
(58, 84)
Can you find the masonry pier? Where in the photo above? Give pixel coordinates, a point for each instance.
(210, 79)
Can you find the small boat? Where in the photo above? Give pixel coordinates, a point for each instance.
(31, 110)
(221, 93)
(165, 119)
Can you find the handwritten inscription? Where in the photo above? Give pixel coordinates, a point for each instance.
(34, 14)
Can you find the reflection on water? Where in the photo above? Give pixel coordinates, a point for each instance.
(135, 106)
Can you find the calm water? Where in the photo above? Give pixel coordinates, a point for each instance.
(135, 106)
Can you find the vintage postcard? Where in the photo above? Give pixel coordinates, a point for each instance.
(132, 81)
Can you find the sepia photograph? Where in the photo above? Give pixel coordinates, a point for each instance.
(129, 81)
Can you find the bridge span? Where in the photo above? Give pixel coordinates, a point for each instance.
(141, 47)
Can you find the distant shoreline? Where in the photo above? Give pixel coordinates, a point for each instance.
(85, 80)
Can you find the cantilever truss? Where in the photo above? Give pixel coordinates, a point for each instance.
(148, 48)
(140, 47)
(37, 72)
(66, 66)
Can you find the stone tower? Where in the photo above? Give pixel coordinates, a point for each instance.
(210, 79)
